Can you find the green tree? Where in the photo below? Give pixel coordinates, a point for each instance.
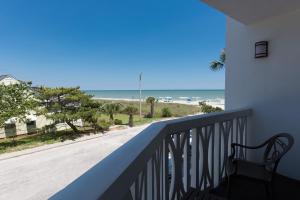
(111, 109)
(216, 65)
(64, 105)
(16, 100)
(130, 111)
(90, 113)
(151, 101)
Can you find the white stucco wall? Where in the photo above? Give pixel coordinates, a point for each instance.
(271, 86)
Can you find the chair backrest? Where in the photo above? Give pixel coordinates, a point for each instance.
(277, 147)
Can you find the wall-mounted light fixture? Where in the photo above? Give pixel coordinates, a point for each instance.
(261, 49)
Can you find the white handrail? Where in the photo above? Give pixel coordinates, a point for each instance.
(113, 176)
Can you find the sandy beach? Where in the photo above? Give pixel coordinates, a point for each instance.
(219, 103)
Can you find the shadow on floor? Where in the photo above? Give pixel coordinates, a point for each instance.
(243, 189)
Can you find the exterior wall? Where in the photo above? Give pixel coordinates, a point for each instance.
(21, 127)
(271, 86)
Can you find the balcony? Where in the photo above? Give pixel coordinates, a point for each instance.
(176, 159)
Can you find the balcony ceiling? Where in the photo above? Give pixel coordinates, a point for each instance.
(252, 11)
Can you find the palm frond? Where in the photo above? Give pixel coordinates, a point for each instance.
(222, 57)
(216, 65)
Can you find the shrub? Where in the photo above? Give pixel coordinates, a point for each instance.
(205, 108)
(51, 128)
(104, 125)
(148, 115)
(118, 122)
(165, 112)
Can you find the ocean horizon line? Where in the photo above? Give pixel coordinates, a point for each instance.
(153, 89)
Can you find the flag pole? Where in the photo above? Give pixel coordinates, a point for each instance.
(140, 88)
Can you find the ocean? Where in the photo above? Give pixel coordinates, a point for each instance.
(214, 96)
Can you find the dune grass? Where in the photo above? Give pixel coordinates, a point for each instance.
(178, 110)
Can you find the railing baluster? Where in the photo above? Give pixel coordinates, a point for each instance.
(166, 188)
(212, 142)
(187, 160)
(200, 158)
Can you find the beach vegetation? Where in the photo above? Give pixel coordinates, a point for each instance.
(130, 111)
(118, 122)
(166, 112)
(205, 108)
(104, 125)
(151, 101)
(111, 109)
(178, 110)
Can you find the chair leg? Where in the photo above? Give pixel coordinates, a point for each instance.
(269, 190)
(229, 187)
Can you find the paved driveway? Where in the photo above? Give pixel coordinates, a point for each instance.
(39, 175)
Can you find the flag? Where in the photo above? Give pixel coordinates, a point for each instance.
(141, 76)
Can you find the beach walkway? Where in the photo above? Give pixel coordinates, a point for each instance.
(40, 174)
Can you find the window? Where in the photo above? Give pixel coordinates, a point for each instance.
(31, 123)
(31, 126)
(10, 130)
(10, 126)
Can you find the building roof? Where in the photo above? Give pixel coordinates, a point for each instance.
(251, 11)
(6, 76)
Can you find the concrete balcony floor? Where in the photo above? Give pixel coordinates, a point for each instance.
(242, 188)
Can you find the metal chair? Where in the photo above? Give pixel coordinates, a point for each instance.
(275, 148)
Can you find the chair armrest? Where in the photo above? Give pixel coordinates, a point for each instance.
(247, 147)
(233, 145)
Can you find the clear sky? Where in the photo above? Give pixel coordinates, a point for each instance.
(105, 44)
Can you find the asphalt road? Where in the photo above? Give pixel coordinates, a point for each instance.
(41, 174)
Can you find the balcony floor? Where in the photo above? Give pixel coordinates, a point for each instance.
(284, 188)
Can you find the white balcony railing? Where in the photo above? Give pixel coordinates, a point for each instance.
(165, 160)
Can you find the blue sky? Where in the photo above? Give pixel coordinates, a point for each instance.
(105, 44)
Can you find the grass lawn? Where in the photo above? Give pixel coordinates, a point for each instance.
(30, 141)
